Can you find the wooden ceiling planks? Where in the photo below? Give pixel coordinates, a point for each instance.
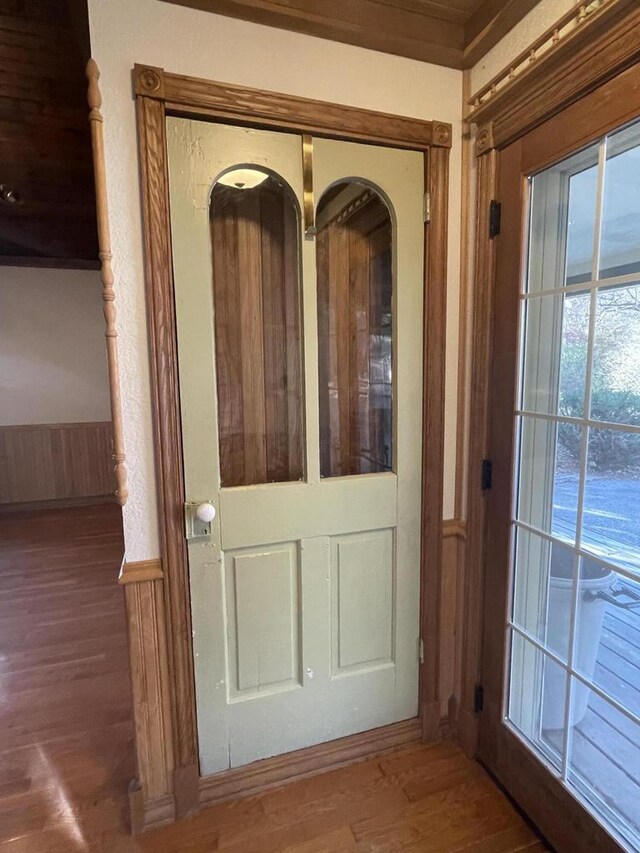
(453, 33)
(45, 147)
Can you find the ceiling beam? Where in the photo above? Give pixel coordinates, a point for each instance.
(367, 23)
(489, 24)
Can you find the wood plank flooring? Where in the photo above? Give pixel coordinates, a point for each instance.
(66, 753)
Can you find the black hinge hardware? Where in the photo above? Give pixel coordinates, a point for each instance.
(478, 699)
(495, 217)
(487, 474)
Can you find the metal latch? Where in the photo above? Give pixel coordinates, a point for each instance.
(197, 519)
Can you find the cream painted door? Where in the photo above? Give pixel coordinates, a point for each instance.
(305, 595)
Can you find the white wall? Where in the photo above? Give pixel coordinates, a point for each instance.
(204, 45)
(53, 366)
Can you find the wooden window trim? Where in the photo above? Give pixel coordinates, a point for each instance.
(158, 94)
(594, 52)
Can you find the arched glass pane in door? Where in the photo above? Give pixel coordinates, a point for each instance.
(355, 330)
(256, 289)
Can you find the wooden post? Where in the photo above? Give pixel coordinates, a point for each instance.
(94, 99)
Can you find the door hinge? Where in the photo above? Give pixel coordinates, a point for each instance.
(421, 650)
(478, 698)
(495, 218)
(487, 474)
(426, 207)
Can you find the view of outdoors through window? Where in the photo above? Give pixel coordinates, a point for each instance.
(574, 632)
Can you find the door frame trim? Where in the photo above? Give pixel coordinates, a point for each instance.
(159, 94)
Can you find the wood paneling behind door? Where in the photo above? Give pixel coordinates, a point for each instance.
(354, 334)
(254, 234)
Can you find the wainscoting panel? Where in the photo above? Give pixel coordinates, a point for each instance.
(44, 462)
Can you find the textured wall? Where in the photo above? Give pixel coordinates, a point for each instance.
(544, 15)
(53, 365)
(210, 46)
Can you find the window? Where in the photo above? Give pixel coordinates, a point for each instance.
(574, 630)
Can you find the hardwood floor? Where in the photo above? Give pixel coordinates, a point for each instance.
(66, 734)
(66, 730)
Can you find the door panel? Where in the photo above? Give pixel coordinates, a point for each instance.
(305, 595)
(559, 729)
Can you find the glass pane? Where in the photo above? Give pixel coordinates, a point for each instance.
(611, 524)
(256, 286)
(542, 595)
(537, 698)
(615, 394)
(555, 354)
(607, 651)
(567, 482)
(562, 222)
(355, 331)
(620, 241)
(583, 187)
(549, 476)
(604, 760)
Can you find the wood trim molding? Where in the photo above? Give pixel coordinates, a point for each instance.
(144, 570)
(168, 432)
(434, 325)
(150, 684)
(158, 93)
(471, 599)
(585, 50)
(454, 527)
(195, 96)
(269, 772)
(94, 99)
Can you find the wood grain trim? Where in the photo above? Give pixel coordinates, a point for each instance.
(262, 108)
(435, 323)
(168, 433)
(55, 462)
(269, 772)
(144, 603)
(465, 298)
(604, 45)
(454, 527)
(153, 87)
(144, 570)
(94, 99)
(470, 621)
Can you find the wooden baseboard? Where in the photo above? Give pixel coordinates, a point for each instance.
(269, 772)
(150, 814)
(45, 462)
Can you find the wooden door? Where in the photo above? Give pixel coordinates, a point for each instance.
(561, 653)
(300, 383)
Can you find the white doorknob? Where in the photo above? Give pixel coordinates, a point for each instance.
(206, 512)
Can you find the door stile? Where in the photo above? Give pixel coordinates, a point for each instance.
(309, 333)
(436, 183)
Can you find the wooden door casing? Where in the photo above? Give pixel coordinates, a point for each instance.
(158, 93)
